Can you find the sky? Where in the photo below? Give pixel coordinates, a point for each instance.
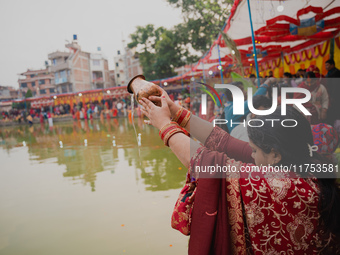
(30, 30)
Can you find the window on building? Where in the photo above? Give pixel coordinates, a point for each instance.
(117, 75)
(33, 83)
(117, 64)
(54, 62)
(43, 91)
(41, 82)
(63, 74)
(52, 90)
(32, 75)
(24, 85)
(96, 62)
(64, 89)
(118, 52)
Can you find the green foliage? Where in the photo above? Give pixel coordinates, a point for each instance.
(20, 105)
(208, 17)
(203, 19)
(28, 93)
(160, 50)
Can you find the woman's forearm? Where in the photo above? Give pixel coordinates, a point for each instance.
(197, 127)
(183, 147)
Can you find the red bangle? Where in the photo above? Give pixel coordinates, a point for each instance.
(178, 114)
(182, 117)
(171, 123)
(169, 130)
(170, 134)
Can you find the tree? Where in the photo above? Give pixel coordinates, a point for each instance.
(28, 93)
(160, 50)
(204, 20)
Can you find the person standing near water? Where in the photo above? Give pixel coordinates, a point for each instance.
(255, 213)
(30, 120)
(50, 120)
(119, 108)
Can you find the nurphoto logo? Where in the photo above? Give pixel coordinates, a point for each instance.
(238, 105)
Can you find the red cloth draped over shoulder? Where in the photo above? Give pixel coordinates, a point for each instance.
(210, 232)
(258, 212)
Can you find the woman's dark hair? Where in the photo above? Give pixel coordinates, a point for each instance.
(261, 100)
(293, 145)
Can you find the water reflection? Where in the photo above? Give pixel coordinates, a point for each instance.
(88, 147)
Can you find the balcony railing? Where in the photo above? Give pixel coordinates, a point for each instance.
(58, 54)
(58, 67)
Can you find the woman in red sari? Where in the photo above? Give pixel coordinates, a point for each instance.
(252, 213)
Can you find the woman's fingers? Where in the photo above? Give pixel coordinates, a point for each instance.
(143, 103)
(164, 102)
(148, 102)
(155, 99)
(145, 113)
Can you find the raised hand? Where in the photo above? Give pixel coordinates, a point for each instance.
(158, 116)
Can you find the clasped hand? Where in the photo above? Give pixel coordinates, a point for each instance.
(158, 116)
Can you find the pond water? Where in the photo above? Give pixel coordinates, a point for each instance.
(88, 188)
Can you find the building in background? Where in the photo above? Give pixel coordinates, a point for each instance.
(38, 81)
(99, 67)
(8, 93)
(126, 66)
(120, 72)
(112, 78)
(78, 70)
(132, 65)
(61, 69)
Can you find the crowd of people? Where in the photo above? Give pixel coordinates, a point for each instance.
(81, 111)
(109, 108)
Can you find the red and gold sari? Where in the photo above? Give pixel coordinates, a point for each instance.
(254, 214)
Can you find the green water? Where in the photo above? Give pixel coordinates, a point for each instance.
(94, 199)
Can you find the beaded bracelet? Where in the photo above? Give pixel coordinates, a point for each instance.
(182, 117)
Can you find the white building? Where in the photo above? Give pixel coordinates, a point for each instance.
(127, 66)
(120, 69)
(99, 71)
(77, 70)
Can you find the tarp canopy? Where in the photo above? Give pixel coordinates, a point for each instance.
(280, 28)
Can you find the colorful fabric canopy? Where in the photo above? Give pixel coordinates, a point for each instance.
(289, 29)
